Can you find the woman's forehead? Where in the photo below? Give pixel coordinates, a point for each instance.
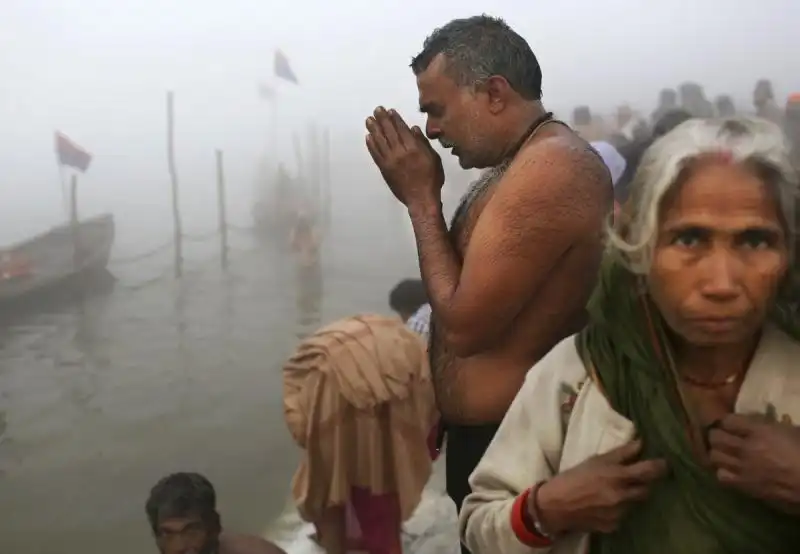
(721, 191)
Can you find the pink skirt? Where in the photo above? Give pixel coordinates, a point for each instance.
(373, 520)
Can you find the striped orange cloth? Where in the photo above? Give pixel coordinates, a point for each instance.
(358, 399)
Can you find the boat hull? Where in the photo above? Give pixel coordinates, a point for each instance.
(55, 261)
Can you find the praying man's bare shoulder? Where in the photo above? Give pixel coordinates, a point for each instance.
(554, 196)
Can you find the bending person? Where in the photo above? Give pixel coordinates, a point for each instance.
(358, 399)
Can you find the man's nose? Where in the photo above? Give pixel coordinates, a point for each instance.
(432, 131)
(722, 275)
(182, 545)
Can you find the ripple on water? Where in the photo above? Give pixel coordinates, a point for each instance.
(100, 398)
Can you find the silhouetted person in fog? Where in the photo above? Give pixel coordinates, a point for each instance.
(305, 238)
(764, 102)
(667, 101)
(694, 101)
(182, 511)
(669, 121)
(630, 127)
(633, 152)
(725, 106)
(589, 127)
(305, 242)
(285, 199)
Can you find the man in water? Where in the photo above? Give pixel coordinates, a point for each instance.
(512, 275)
(304, 237)
(182, 511)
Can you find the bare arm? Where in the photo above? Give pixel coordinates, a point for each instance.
(551, 198)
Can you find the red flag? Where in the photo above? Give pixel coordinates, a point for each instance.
(70, 154)
(283, 69)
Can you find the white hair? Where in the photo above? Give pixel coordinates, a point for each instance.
(750, 140)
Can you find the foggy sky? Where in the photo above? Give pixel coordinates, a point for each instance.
(98, 71)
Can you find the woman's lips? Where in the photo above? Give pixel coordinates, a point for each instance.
(717, 324)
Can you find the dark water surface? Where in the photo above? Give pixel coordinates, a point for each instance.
(101, 397)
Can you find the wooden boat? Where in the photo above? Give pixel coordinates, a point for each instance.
(55, 258)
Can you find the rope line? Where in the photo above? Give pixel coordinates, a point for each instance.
(141, 256)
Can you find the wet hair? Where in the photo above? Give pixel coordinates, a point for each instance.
(182, 495)
(408, 296)
(759, 143)
(479, 47)
(669, 121)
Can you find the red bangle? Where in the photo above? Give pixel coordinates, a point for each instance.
(523, 531)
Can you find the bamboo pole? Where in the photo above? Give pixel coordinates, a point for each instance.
(176, 214)
(326, 177)
(73, 222)
(298, 153)
(223, 217)
(314, 168)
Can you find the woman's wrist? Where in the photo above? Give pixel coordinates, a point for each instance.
(540, 507)
(534, 511)
(524, 526)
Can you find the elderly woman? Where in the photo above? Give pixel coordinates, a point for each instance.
(666, 424)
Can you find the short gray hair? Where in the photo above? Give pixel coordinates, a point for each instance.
(479, 47)
(750, 140)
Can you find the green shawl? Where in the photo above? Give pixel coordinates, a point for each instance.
(688, 512)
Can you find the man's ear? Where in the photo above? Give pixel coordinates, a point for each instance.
(497, 90)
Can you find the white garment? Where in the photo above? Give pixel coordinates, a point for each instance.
(614, 161)
(420, 322)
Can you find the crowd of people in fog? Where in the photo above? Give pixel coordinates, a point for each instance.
(611, 323)
(602, 341)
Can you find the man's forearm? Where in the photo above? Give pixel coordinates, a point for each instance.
(439, 263)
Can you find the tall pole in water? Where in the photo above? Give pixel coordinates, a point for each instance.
(173, 174)
(223, 223)
(73, 222)
(326, 177)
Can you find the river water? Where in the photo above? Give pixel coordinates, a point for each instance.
(101, 396)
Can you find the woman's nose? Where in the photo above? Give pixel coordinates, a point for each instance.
(721, 279)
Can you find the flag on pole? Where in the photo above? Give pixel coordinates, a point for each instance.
(70, 154)
(283, 69)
